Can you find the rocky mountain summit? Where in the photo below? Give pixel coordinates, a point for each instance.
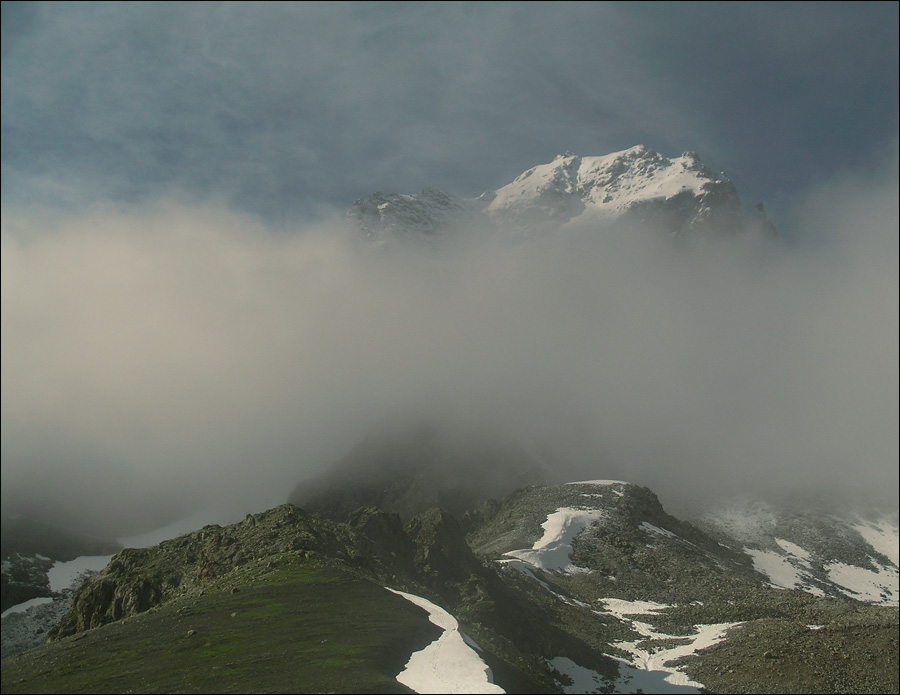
(634, 187)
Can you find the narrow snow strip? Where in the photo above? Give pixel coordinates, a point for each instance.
(63, 575)
(650, 528)
(654, 661)
(449, 664)
(553, 551)
(598, 482)
(25, 605)
(793, 549)
(881, 587)
(647, 670)
(525, 569)
(883, 536)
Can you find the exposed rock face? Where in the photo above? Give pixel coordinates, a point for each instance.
(138, 579)
(121, 591)
(432, 549)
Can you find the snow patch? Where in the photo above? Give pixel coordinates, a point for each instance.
(553, 551)
(881, 586)
(449, 664)
(883, 536)
(793, 549)
(647, 669)
(650, 528)
(783, 571)
(620, 607)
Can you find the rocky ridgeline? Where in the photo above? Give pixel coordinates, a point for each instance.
(637, 551)
(525, 615)
(431, 549)
(637, 187)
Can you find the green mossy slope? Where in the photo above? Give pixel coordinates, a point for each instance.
(299, 626)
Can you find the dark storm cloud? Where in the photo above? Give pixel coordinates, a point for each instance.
(284, 108)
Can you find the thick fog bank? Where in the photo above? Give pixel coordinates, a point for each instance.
(156, 359)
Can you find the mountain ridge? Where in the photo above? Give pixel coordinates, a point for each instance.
(546, 601)
(637, 186)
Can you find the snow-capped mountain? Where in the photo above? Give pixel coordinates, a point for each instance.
(637, 186)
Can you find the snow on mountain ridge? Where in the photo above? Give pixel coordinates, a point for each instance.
(818, 552)
(611, 182)
(677, 195)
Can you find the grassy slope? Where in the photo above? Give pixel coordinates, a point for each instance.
(296, 627)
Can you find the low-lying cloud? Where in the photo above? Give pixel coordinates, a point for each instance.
(160, 358)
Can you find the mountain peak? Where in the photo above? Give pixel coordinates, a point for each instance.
(637, 185)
